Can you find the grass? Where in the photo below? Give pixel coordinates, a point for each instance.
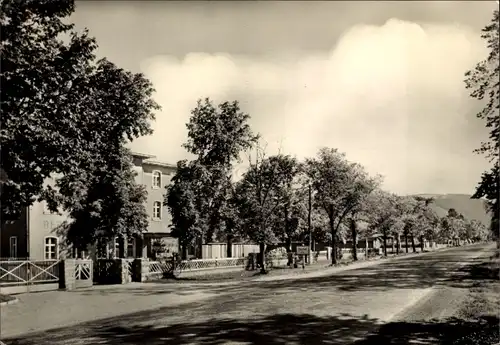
(483, 301)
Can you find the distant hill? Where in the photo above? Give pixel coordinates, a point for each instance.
(462, 203)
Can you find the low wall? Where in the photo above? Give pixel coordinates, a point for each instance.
(13, 290)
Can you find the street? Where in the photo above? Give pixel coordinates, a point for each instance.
(346, 307)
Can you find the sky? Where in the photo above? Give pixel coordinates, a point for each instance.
(380, 81)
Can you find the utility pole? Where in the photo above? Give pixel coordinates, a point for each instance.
(309, 224)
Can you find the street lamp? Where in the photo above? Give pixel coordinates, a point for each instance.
(309, 227)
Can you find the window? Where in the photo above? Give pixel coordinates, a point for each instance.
(131, 248)
(51, 250)
(157, 210)
(156, 179)
(13, 247)
(117, 247)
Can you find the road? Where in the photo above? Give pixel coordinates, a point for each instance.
(350, 306)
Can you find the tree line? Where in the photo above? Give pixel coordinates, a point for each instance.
(282, 199)
(69, 116)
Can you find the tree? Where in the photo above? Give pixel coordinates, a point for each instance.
(483, 80)
(291, 191)
(231, 222)
(183, 204)
(359, 213)
(110, 203)
(453, 226)
(216, 137)
(383, 213)
(427, 220)
(260, 196)
(409, 213)
(338, 185)
(67, 115)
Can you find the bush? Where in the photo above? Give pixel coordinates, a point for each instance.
(276, 253)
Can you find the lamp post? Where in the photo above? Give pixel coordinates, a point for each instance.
(309, 227)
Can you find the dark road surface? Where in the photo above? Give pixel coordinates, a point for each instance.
(348, 307)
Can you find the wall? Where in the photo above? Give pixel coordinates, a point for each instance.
(157, 194)
(15, 228)
(219, 250)
(41, 224)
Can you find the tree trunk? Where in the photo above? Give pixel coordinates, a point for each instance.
(334, 242)
(199, 251)
(385, 243)
(354, 235)
(229, 246)
(422, 246)
(262, 259)
(288, 244)
(184, 252)
(366, 248)
(413, 244)
(398, 244)
(406, 243)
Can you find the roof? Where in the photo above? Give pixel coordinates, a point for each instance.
(142, 155)
(158, 163)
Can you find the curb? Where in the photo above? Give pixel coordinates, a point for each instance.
(14, 301)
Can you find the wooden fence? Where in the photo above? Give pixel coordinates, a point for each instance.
(167, 267)
(22, 272)
(17, 276)
(83, 273)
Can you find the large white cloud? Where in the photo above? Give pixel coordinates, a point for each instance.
(392, 97)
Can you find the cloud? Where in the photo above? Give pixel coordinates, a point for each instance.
(392, 97)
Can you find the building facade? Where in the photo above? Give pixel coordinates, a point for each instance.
(35, 235)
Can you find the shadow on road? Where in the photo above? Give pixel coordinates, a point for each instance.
(417, 272)
(217, 320)
(275, 330)
(450, 331)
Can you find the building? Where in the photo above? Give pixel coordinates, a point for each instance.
(35, 234)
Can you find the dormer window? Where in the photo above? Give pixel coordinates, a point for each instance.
(156, 179)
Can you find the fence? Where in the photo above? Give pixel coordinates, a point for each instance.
(219, 250)
(160, 268)
(83, 273)
(22, 272)
(28, 275)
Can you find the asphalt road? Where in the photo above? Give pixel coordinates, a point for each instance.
(350, 306)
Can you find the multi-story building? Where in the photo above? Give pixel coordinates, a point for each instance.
(35, 234)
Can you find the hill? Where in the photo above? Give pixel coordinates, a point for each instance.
(462, 203)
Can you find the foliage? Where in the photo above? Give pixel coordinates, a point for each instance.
(340, 187)
(261, 193)
(484, 80)
(183, 202)
(65, 114)
(291, 214)
(489, 188)
(110, 203)
(201, 192)
(217, 136)
(384, 211)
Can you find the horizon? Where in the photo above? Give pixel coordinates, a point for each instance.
(382, 82)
